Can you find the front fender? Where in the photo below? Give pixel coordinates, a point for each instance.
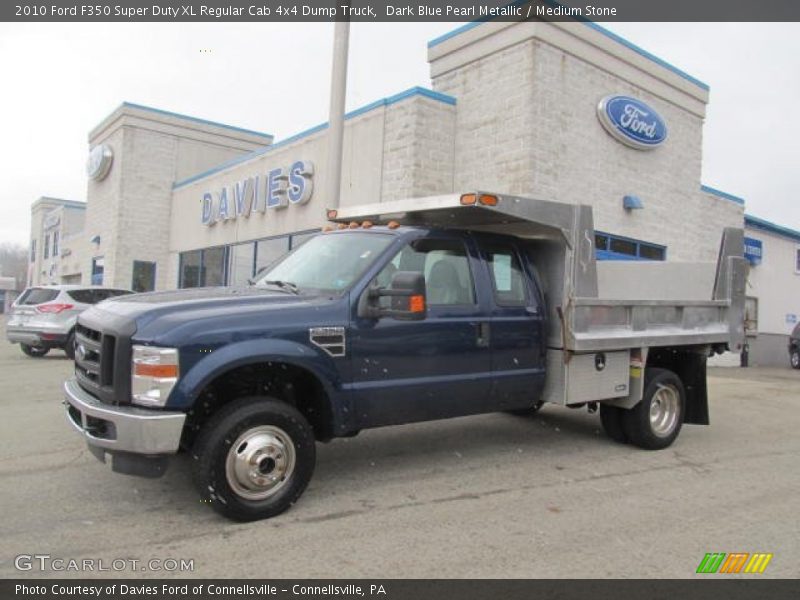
(248, 352)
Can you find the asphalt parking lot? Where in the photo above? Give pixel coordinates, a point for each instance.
(487, 496)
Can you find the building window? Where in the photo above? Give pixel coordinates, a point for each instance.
(298, 239)
(46, 246)
(55, 244)
(241, 262)
(144, 276)
(201, 268)
(33, 250)
(190, 269)
(613, 247)
(268, 251)
(98, 266)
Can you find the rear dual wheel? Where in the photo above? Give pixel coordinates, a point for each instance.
(656, 420)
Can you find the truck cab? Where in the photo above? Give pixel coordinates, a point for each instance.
(376, 321)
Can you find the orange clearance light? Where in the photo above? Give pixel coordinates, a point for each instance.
(416, 304)
(327, 228)
(332, 213)
(393, 225)
(468, 199)
(488, 200)
(353, 225)
(366, 224)
(342, 226)
(146, 370)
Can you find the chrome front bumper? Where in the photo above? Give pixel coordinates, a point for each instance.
(121, 428)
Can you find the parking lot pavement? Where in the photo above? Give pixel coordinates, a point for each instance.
(485, 496)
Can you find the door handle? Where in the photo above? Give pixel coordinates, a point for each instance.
(483, 333)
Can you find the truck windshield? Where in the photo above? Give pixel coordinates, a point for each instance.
(327, 263)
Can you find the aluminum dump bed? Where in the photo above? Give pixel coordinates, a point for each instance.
(593, 307)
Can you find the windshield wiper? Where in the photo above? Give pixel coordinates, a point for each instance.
(284, 285)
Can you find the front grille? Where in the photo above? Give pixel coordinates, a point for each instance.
(101, 363)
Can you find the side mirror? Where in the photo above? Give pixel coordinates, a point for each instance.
(407, 293)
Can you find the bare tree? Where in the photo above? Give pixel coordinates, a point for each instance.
(14, 262)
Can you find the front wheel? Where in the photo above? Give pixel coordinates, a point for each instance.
(794, 358)
(254, 458)
(655, 422)
(34, 351)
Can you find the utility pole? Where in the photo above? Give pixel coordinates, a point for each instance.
(341, 40)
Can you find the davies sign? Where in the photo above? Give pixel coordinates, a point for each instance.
(274, 190)
(632, 122)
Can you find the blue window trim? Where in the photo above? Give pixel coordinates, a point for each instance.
(606, 254)
(715, 192)
(752, 222)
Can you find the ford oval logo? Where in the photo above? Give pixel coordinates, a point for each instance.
(632, 122)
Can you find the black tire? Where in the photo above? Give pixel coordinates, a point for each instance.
(34, 351)
(611, 418)
(527, 412)
(249, 423)
(794, 358)
(69, 345)
(664, 387)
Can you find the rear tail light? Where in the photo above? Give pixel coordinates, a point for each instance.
(53, 308)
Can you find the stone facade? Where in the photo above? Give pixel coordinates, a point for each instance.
(130, 209)
(513, 110)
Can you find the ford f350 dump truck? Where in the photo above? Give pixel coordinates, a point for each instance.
(406, 311)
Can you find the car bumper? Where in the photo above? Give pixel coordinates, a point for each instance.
(125, 432)
(35, 336)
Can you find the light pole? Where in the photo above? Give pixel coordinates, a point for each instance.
(341, 38)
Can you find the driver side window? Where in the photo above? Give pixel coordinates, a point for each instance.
(445, 264)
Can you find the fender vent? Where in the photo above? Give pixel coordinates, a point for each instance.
(330, 339)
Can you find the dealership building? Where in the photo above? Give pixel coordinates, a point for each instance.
(554, 110)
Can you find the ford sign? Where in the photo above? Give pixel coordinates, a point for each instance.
(632, 122)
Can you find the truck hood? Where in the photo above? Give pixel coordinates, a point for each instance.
(159, 314)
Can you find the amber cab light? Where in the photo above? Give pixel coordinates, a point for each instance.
(468, 199)
(488, 200)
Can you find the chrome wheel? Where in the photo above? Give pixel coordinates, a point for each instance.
(664, 410)
(260, 462)
(796, 359)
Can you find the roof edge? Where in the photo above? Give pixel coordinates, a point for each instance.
(591, 24)
(167, 113)
(770, 227)
(388, 101)
(719, 193)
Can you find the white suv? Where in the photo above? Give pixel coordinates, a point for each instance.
(43, 317)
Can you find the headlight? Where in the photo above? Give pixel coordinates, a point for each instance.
(154, 373)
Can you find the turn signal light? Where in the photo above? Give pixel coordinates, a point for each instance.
(485, 199)
(53, 308)
(416, 304)
(155, 370)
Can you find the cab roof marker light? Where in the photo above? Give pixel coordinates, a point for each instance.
(468, 199)
(488, 200)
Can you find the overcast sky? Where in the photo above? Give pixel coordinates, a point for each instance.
(59, 81)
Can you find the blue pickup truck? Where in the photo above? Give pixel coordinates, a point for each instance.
(401, 312)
